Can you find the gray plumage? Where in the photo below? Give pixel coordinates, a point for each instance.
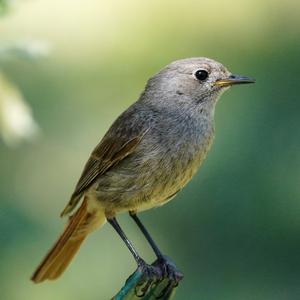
(147, 156)
(175, 118)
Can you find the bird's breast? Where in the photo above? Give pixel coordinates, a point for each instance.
(163, 163)
(173, 158)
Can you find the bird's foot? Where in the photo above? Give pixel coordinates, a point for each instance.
(169, 272)
(151, 275)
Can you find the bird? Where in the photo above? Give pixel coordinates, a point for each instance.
(150, 152)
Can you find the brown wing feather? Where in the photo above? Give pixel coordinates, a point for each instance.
(107, 153)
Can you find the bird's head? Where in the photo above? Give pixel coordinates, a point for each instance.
(196, 80)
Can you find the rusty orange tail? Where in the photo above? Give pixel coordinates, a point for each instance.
(81, 223)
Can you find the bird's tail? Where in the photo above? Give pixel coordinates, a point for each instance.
(85, 220)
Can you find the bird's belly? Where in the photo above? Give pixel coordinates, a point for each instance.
(140, 183)
(144, 194)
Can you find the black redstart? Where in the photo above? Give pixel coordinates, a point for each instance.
(147, 156)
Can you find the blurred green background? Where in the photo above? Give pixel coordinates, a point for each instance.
(235, 229)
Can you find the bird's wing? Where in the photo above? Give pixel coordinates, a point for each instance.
(114, 147)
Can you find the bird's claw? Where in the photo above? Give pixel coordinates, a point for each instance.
(163, 269)
(169, 272)
(150, 275)
(168, 269)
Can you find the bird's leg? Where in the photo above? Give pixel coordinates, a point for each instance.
(167, 266)
(114, 223)
(148, 237)
(150, 273)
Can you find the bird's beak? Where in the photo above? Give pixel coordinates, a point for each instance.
(234, 79)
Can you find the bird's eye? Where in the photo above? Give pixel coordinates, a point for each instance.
(201, 74)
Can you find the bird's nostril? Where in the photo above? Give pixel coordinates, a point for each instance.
(232, 76)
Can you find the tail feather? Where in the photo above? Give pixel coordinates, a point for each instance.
(59, 257)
